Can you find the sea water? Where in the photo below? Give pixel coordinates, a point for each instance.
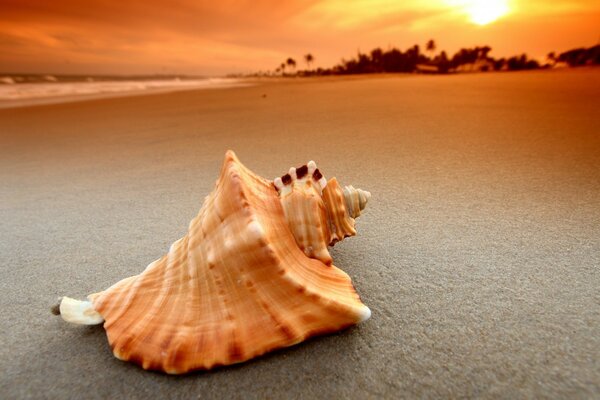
(36, 89)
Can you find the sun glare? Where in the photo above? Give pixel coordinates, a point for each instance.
(483, 12)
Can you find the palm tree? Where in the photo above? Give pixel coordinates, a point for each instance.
(282, 68)
(552, 58)
(443, 62)
(291, 63)
(309, 59)
(430, 46)
(483, 52)
(377, 59)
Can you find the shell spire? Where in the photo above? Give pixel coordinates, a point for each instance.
(239, 283)
(319, 212)
(356, 200)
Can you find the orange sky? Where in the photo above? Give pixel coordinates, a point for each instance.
(217, 37)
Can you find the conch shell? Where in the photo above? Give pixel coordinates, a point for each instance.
(253, 274)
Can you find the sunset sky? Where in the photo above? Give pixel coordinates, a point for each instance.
(210, 37)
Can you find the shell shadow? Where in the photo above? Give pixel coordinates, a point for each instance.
(89, 344)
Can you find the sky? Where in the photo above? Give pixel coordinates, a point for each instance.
(198, 37)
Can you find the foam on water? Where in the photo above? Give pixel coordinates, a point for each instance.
(12, 94)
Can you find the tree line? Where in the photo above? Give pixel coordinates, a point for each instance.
(414, 59)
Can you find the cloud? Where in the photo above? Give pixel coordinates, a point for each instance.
(208, 37)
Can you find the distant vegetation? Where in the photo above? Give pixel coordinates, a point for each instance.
(475, 59)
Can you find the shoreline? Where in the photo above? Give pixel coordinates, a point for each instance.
(254, 81)
(79, 97)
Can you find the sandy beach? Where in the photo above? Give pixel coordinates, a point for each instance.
(479, 253)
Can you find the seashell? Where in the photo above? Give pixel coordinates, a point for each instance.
(253, 274)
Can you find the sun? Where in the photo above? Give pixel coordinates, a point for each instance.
(483, 12)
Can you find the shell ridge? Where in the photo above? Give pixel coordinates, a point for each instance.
(124, 347)
(341, 289)
(335, 203)
(126, 290)
(179, 269)
(196, 283)
(300, 259)
(101, 303)
(268, 303)
(205, 281)
(300, 265)
(216, 272)
(206, 335)
(214, 306)
(294, 270)
(219, 276)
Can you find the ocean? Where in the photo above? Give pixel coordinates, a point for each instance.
(23, 90)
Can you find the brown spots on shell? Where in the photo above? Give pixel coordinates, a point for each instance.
(178, 357)
(123, 347)
(165, 343)
(235, 351)
(302, 171)
(309, 318)
(314, 297)
(287, 331)
(135, 358)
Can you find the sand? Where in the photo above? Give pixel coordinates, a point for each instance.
(479, 254)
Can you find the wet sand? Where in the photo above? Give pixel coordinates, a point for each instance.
(479, 254)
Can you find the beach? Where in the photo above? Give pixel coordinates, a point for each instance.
(478, 254)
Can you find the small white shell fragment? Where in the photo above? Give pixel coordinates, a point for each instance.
(79, 312)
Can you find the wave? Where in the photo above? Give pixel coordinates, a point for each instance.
(11, 91)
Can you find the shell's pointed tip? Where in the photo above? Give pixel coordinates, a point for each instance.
(312, 166)
(364, 197)
(356, 200)
(79, 312)
(365, 315)
(230, 154)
